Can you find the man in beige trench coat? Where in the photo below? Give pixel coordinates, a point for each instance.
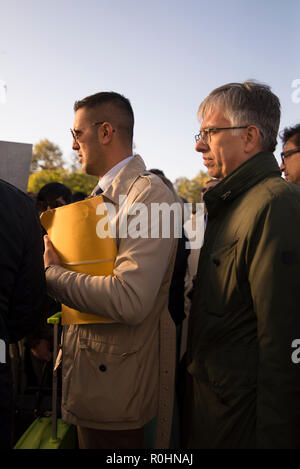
(118, 376)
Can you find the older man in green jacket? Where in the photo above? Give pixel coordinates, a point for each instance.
(243, 386)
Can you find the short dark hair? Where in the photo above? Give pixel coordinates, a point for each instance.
(49, 193)
(79, 195)
(291, 132)
(116, 108)
(158, 172)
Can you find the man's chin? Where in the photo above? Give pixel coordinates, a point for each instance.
(214, 172)
(89, 170)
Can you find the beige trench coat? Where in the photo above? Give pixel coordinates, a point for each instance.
(121, 375)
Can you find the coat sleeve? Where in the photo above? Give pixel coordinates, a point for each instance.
(274, 268)
(129, 294)
(25, 279)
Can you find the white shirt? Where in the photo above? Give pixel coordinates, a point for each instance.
(108, 178)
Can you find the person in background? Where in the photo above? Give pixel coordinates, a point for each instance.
(176, 294)
(190, 226)
(39, 343)
(290, 155)
(177, 304)
(79, 195)
(53, 195)
(22, 288)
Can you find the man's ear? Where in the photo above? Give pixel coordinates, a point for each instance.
(251, 138)
(106, 132)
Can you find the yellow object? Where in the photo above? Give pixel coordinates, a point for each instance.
(82, 238)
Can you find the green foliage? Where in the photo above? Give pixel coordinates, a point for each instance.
(79, 181)
(190, 189)
(76, 181)
(46, 156)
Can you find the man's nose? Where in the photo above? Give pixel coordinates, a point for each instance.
(201, 147)
(282, 167)
(75, 145)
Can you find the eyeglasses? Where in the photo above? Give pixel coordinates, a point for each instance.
(205, 134)
(76, 133)
(286, 154)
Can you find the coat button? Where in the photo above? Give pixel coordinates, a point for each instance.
(102, 368)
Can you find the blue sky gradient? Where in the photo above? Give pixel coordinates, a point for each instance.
(165, 56)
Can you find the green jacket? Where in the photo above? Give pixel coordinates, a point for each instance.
(246, 314)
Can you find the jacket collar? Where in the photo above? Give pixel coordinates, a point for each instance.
(247, 175)
(125, 178)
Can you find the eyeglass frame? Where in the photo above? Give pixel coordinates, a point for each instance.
(288, 153)
(214, 129)
(91, 125)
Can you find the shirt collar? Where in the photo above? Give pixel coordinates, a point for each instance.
(108, 178)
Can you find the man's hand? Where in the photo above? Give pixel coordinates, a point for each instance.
(50, 256)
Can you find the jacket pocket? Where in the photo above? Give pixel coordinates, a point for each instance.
(103, 384)
(222, 292)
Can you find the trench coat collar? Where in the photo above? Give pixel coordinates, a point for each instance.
(124, 179)
(247, 175)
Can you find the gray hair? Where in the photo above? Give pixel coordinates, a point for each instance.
(248, 103)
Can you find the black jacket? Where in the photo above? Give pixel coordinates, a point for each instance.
(22, 280)
(22, 286)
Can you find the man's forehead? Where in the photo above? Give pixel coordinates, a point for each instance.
(290, 144)
(80, 114)
(84, 115)
(213, 116)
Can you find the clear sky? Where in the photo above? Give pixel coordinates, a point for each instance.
(164, 55)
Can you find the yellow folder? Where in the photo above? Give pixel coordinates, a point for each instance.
(83, 240)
